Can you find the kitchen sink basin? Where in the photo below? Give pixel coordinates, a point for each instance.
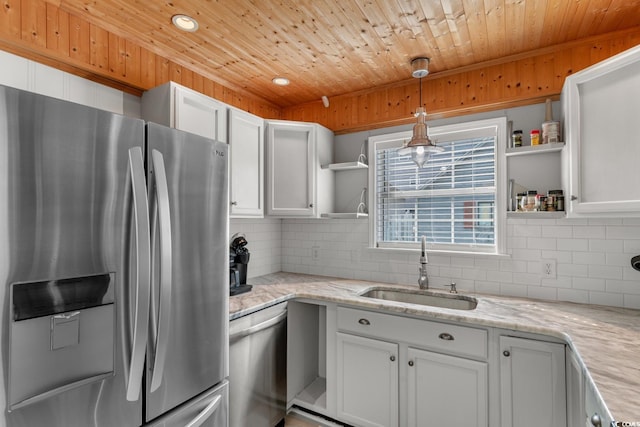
(433, 299)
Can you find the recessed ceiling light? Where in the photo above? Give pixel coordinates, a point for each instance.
(280, 81)
(185, 23)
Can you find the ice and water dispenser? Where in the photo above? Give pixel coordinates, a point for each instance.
(62, 336)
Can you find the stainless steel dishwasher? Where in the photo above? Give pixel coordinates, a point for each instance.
(258, 368)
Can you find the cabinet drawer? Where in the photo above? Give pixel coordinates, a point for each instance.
(437, 336)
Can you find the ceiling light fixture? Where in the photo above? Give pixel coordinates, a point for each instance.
(280, 81)
(420, 146)
(185, 23)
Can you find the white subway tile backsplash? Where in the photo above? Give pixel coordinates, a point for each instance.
(572, 270)
(602, 245)
(589, 258)
(605, 272)
(622, 232)
(604, 298)
(557, 231)
(623, 287)
(632, 301)
(592, 257)
(544, 243)
(589, 232)
(589, 284)
(542, 293)
(513, 290)
(573, 244)
(526, 230)
(529, 279)
(573, 295)
(632, 245)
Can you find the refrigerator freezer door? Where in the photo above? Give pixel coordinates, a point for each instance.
(64, 207)
(207, 410)
(196, 171)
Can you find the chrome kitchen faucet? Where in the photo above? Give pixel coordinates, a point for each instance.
(423, 280)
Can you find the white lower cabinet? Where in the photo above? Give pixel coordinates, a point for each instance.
(392, 371)
(532, 383)
(367, 384)
(446, 390)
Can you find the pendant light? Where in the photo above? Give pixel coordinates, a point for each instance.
(420, 146)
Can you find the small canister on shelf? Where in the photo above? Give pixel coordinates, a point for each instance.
(529, 201)
(520, 201)
(535, 137)
(516, 138)
(557, 197)
(541, 202)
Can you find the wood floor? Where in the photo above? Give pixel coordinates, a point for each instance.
(293, 420)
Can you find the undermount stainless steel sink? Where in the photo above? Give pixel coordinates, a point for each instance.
(456, 302)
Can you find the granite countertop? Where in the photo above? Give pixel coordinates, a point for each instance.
(606, 339)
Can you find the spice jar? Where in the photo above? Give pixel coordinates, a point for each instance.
(529, 201)
(520, 201)
(516, 138)
(557, 198)
(535, 137)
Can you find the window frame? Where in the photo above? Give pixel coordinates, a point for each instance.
(457, 131)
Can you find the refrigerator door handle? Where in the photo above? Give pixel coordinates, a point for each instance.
(142, 268)
(161, 220)
(206, 412)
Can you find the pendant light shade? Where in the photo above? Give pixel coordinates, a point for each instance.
(420, 146)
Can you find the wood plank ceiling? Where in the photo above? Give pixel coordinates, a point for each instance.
(334, 47)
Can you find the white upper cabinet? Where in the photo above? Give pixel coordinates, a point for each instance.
(246, 148)
(601, 105)
(297, 186)
(182, 108)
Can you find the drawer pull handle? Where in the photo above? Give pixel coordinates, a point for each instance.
(595, 420)
(410, 362)
(392, 358)
(445, 336)
(364, 322)
(506, 353)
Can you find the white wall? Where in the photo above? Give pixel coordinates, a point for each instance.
(25, 74)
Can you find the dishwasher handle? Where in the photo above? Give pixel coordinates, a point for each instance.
(259, 327)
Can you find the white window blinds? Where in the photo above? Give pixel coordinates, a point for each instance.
(451, 200)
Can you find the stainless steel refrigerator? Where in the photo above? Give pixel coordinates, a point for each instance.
(113, 267)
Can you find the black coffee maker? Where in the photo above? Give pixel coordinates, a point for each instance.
(238, 264)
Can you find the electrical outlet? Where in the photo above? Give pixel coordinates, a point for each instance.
(548, 268)
(315, 253)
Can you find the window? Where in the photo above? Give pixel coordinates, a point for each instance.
(455, 200)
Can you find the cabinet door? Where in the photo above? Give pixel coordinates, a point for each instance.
(246, 148)
(575, 390)
(367, 385)
(601, 107)
(199, 114)
(532, 383)
(446, 390)
(595, 409)
(290, 169)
